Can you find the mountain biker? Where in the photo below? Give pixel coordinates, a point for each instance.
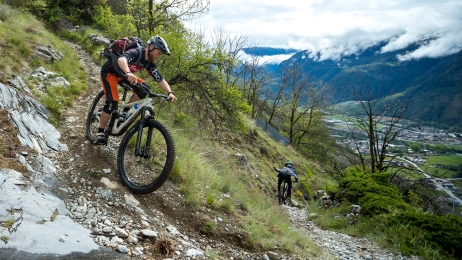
(285, 174)
(128, 63)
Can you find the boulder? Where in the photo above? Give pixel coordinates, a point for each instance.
(48, 54)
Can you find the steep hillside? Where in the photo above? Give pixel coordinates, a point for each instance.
(439, 97)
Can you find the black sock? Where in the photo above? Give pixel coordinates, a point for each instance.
(100, 130)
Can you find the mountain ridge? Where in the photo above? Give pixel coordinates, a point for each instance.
(432, 84)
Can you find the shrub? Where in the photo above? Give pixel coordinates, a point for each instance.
(441, 232)
(5, 13)
(374, 204)
(209, 227)
(354, 188)
(381, 178)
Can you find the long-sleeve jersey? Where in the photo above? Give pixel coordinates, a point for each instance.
(288, 170)
(135, 63)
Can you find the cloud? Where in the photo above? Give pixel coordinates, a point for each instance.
(273, 59)
(333, 28)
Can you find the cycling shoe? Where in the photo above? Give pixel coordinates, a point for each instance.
(101, 138)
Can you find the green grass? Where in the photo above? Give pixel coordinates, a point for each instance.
(396, 238)
(444, 159)
(210, 175)
(21, 33)
(431, 160)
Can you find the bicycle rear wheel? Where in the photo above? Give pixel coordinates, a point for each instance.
(93, 116)
(147, 172)
(282, 192)
(280, 197)
(286, 200)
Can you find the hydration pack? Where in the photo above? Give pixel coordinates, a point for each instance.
(122, 45)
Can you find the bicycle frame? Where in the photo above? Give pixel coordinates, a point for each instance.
(116, 129)
(113, 128)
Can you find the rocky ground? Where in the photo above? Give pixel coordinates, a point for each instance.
(159, 225)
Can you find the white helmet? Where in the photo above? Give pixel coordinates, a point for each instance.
(159, 43)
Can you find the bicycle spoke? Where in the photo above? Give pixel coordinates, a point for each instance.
(146, 171)
(93, 117)
(150, 163)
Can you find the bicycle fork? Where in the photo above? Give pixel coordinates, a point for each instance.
(144, 152)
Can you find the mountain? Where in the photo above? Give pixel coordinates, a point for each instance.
(434, 85)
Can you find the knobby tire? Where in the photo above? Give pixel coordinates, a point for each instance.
(93, 117)
(144, 175)
(283, 196)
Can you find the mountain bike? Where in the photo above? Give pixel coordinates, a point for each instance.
(283, 196)
(146, 152)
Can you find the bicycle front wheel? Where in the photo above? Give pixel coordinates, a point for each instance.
(147, 171)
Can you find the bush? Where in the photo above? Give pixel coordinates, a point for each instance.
(354, 188)
(374, 204)
(444, 233)
(381, 178)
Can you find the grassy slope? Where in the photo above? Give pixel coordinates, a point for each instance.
(207, 172)
(21, 33)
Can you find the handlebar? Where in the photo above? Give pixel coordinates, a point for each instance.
(165, 97)
(143, 86)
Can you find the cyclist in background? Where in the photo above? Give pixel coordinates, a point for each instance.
(285, 174)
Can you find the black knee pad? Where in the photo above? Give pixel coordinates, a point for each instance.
(110, 106)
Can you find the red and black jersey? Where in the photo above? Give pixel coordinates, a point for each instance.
(134, 66)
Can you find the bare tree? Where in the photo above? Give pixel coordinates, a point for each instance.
(229, 50)
(380, 124)
(276, 102)
(302, 104)
(255, 79)
(317, 102)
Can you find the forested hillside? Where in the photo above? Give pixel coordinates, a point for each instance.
(434, 85)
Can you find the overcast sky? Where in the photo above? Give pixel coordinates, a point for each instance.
(331, 28)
